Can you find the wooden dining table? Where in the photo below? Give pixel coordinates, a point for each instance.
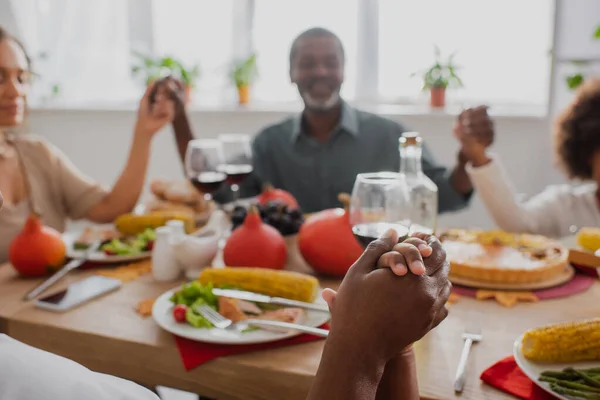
(107, 335)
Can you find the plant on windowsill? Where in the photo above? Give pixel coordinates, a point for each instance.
(155, 68)
(573, 81)
(243, 74)
(438, 77)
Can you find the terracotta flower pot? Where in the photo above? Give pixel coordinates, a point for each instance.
(244, 94)
(437, 97)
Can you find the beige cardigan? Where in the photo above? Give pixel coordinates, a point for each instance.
(60, 191)
(551, 213)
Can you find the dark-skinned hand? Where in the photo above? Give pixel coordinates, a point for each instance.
(474, 129)
(379, 307)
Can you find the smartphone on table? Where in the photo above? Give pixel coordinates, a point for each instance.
(78, 293)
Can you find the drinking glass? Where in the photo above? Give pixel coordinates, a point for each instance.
(379, 201)
(237, 164)
(203, 162)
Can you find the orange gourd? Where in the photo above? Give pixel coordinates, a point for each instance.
(255, 244)
(269, 193)
(37, 250)
(327, 243)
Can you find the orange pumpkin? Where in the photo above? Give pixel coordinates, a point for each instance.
(269, 193)
(37, 249)
(255, 244)
(327, 243)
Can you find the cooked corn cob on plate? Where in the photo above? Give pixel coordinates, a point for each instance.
(174, 311)
(563, 358)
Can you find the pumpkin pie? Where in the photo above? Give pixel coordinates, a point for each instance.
(503, 258)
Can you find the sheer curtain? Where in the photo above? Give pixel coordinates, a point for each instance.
(86, 47)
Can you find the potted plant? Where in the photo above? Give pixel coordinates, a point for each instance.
(243, 74)
(574, 80)
(156, 68)
(438, 77)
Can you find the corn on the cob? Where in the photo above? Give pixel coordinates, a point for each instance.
(564, 342)
(286, 284)
(133, 224)
(589, 238)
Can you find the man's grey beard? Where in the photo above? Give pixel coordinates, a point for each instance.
(317, 105)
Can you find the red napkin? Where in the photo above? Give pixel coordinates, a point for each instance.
(508, 377)
(195, 353)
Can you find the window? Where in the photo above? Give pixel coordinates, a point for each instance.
(502, 46)
(72, 48)
(197, 32)
(277, 23)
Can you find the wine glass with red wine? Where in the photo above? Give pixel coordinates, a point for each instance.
(203, 160)
(379, 201)
(238, 160)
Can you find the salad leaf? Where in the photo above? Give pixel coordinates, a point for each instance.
(193, 291)
(117, 246)
(148, 235)
(196, 320)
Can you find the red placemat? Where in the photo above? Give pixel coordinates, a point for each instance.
(508, 377)
(195, 353)
(579, 283)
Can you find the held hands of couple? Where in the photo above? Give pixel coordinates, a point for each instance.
(380, 309)
(474, 129)
(156, 109)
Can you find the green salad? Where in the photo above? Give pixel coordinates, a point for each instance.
(194, 294)
(130, 245)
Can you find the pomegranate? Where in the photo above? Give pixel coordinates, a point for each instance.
(37, 250)
(269, 193)
(326, 241)
(255, 244)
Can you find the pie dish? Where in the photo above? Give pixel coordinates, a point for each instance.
(503, 258)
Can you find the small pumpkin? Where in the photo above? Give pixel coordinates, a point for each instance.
(326, 240)
(269, 193)
(255, 244)
(37, 249)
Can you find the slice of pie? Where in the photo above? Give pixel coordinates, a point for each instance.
(502, 257)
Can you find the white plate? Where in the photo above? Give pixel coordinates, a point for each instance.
(99, 256)
(533, 370)
(163, 315)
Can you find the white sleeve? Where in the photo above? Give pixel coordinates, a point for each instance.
(542, 214)
(27, 373)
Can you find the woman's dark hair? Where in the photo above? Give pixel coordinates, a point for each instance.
(4, 35)
(577, 131)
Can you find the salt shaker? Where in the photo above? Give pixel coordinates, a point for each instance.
(165, 267)
(177, 228)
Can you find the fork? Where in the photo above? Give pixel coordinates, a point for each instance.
(221, 322)
(469, 337)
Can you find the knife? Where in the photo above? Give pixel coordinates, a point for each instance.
(61, 273)
(261, 298)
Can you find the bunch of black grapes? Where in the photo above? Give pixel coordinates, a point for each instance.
(275, 213)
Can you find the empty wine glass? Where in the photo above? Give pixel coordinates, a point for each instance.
(379, 201)
(203, 161)
(237, 164)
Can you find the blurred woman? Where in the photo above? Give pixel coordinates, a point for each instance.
(33, 170)
(558, 209)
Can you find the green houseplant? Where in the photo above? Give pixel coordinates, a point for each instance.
(574, 80)
(439, 76)
(243, 74)
(151, 69)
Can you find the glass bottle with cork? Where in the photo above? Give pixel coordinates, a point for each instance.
(423, 193)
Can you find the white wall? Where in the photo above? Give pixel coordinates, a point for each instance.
(98, 142)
